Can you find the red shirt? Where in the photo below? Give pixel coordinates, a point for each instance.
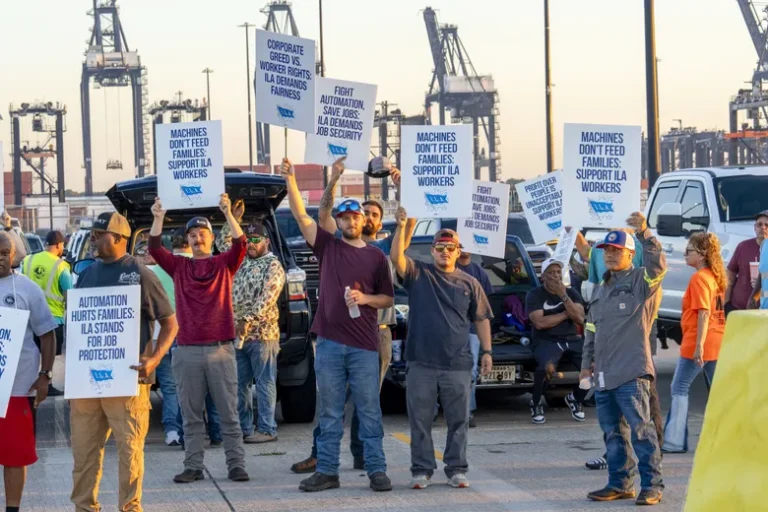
(361, 268)
(746, 251)
(203, 290)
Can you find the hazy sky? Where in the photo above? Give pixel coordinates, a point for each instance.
(597, 65)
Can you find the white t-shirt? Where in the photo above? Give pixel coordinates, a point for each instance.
(28, 297)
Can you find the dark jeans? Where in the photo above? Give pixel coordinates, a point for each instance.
(631, 402)
(548, 355)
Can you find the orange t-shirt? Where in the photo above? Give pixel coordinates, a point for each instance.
(702, 293)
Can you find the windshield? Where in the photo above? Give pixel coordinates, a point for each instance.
(517, 226)
(289, 228)
(741, 197)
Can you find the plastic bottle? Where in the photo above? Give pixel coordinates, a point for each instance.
(525, 341)
(354, 311)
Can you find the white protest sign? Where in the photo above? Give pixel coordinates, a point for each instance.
(601, 174)
(102, 342)
(2, 178)
(13, 327)
(285, 81)
(344, 121)
(565, 246)
(542, 200)
(485, 233)
(437, 171)
(190, 164)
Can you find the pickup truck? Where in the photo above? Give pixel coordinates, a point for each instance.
(513, 363)
(261, 194)
(720, 200)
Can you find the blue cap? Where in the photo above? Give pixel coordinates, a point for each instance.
(349, 206)
(618, 239)
(199, 222)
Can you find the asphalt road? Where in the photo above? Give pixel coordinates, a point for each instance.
(514, 465)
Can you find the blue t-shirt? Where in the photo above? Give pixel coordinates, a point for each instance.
(597, 264)
(763, 269)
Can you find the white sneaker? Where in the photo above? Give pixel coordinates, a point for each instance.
(420, 482)
(577, 410)
(172, 438)
(459, 480)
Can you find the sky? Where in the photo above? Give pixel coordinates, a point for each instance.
(597, 50)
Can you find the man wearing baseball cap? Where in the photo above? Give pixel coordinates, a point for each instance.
(91, 419)
(443, 302)
(618, 355)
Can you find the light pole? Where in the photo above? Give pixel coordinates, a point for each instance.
(322, 74)
(548, 85)
(652, 96)
(247, 26)
(208, 72)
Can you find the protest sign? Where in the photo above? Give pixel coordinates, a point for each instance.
(13, 327)
(102, 342)
(285, 81)
(565, 246)
(485, 232)
(2, 178)
(601, 174)
(437, 170)
(542, 200)
(190, 164)
(344, 120)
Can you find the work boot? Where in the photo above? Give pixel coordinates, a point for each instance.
(319, 482)
(238, 475)
(308, 465)
(188, 476)
(649, 497)
(611, 494)
(380, 482)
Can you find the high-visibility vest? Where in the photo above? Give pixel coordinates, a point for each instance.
(45, 270)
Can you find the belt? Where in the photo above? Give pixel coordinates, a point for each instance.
(211, 344)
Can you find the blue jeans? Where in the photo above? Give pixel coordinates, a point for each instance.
(676, 426)
(355, 445)
(250, 366)
(337, 367)
(474, 348)
(631, 402)
(167, 383)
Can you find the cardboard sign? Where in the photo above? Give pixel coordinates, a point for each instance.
(601, 174)
(542, 200)
(190, 164)
(284, 80)
(344, 120)
(485, 233)
(13, 327)
(437, 171)
(102, 342)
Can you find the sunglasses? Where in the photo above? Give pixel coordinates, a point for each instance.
(349, 207)
(445, 247)
(255, 239)
(688, 251)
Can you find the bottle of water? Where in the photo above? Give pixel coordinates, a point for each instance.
(525, 341)
(354, 311)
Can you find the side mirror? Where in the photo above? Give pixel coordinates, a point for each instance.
(669, 220)
(384, 233)
(80, 265)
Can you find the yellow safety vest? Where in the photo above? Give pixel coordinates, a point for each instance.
(45, 269)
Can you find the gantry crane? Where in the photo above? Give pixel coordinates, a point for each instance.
(178, 110)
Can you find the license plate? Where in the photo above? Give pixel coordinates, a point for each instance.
(499, 374)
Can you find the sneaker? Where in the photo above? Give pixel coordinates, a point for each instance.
(319, 482)
(259, 438)
(52, 391)
(380, 482)
(537, 413)
(611, 494)
(420, 481)
(598, 463)
(649, 497)
(359, 463)
(577, 410)
(459, 480)
(238, 475)
(308, 465)
(188, 476)
(472, 422)
(172, 438)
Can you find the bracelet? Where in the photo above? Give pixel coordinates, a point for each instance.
(483, 352)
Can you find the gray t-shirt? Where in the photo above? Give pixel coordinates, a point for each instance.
(127, 271)
(387, 316)
(27, 296)
(442, 306)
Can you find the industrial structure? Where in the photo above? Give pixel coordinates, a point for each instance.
(110, 63)
(177, 110)
(471, 98)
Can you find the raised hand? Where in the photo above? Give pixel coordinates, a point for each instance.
(225, 204)
(338, 168)
(637, 222)
(239, 210)
(401, 216)
(157, 209)
(395, 175)
(286, 168)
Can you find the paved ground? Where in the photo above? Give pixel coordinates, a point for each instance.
(515, 466)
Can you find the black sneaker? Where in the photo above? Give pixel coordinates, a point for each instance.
(611, 494)
(649, 497)
(537, 413)
(598, 463)
(188, 476)
(319, 482)
(472, 422)
(359, 463)
(380, 482)
(577, 410)
(308, 465)
(238, 475)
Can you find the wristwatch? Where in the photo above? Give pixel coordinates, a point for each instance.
(483, 352)
(565, 298)
(48, 374)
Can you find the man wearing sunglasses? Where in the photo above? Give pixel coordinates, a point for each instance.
(346, 353)
(444, 301)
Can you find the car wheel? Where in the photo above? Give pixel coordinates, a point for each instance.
(298, 403)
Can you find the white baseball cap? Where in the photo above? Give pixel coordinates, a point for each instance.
(548, 263)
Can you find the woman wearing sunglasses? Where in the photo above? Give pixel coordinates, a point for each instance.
(703, 324)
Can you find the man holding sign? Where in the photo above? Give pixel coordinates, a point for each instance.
(17, 424)
(92, 419)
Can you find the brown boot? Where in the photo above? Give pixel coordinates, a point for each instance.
(308, 465)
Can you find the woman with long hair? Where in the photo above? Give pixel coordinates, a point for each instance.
(703, 324)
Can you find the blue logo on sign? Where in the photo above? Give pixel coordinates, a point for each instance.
(191, 190)
(101, 375)
(285, 113)
(601, 206)
(480, 240)
(337, 151)
(436, 199)
(554, 226)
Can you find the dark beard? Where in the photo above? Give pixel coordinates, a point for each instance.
(347, 237)
(369, 230)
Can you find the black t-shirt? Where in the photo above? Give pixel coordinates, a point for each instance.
(127, 271)
(540, 299)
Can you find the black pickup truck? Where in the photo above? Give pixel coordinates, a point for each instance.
(261, 193)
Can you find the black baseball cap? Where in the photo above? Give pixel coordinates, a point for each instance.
(256, 230)
(54, 238)
(379, 167)
(198, 222)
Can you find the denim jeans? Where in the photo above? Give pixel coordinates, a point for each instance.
(631, 402)
(676, 426)
(337, 367)
(250, 366)
(167, 383)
